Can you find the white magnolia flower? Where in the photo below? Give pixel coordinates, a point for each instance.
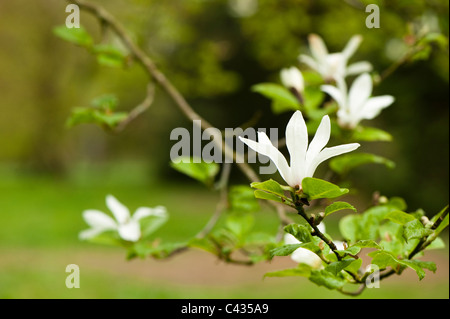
(334, 65)
(357, 105)
(304, 158)
(304, 256)
(292, 78)
(126, 225)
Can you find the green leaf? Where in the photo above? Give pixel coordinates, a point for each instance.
(337, 206)
(285, 250)
(78, 36)
(336, 267)
(370, 134)
(385, 259)
(352, 250)
(302, 270)
(327, 279)
(354, 266)
(195, 168)
(415, 230)
(400, 217)
(366, 244)
(345, 163)
(269, 186)
(313, 97)
(269, 196)
(240, 223)
(301, 232)
(349, 226)
(160, 251)
(242, 199)
(315, 188)
(82, 115)
(109, 55)
(282, 98)
(109, 119)
(106, 102)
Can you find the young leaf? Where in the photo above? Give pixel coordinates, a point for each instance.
(325, 278)
(337, 206)
(345, 163)
(109, 55)
(241, 199)
(106, 102)
(301, 232)
(315, 188)
(285, 250)
(415, 230)
(336, 267)
(240, 223)
(269, 196)
(269, 186)
(201, 171)
(400, 217)
(78, 36)
(370, 134)
(282, 98)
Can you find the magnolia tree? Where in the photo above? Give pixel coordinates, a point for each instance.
(328, 97)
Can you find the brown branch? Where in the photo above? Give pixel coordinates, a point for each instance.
(139, 109)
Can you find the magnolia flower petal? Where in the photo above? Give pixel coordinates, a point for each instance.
(305, 256)
(352, 46)
(292, 78)
(130, 231)
(120, 212)
(318, 47)
(90, 233)
(358, 68)
(143, 212)
(359, 92)
(98, 219)
(290, 239)
(309, 61)
(374, 106)
(339, 244)
(335, 93)
(319, 141)
(330, 152)
(265, 147)
(297, 144)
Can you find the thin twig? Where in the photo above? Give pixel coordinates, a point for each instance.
(223, 200)
(139, 109)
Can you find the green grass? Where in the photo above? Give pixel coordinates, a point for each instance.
(41, 219)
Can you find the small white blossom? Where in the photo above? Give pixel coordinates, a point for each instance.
(304, 256)
(304, 158)
(292, 78)
(357, 105)
(126, 225)
(334, 65)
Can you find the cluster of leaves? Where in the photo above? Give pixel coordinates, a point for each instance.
(103, 108)
(392, 235)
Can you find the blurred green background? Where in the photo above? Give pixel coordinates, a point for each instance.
(213, 51)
